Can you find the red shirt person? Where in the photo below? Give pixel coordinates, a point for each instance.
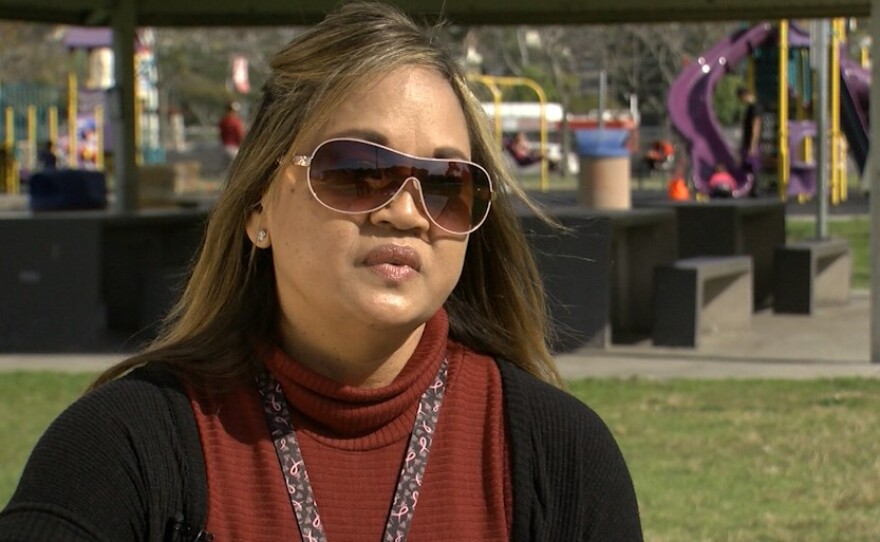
(231, 129)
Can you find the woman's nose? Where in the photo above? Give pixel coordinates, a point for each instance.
(406, 209)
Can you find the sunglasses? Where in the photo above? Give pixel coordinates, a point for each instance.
(353, 176)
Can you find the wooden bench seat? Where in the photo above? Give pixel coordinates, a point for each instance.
(699, 295)
(810, 273)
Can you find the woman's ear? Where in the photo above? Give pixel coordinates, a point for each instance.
(256, 227)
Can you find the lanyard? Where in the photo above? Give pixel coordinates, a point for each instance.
(302, 499)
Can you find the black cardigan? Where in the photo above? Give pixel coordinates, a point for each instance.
(124, 463)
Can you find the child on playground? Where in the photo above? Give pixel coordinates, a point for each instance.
(721, 183)
(520, 150)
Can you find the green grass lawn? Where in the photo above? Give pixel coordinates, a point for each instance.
(711, 460)
(28, 403)
(748, 460)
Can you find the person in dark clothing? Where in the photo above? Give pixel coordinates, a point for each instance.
(749, 151)
(360, 352)
(46, 157)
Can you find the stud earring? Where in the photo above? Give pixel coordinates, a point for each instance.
(261, 235)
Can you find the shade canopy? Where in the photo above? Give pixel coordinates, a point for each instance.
(292, 12)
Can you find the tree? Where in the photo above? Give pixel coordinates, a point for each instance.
(194, 66)
(193, 63)
(640, 59)
(33, 54)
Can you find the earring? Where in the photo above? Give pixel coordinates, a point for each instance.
(262, 235)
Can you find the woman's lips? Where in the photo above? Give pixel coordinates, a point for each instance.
(394, 262)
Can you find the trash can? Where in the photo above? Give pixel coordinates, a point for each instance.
(605, 169)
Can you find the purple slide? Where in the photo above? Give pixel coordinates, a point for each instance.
(855, 97)
(692, 116)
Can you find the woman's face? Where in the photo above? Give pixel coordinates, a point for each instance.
(342, 275)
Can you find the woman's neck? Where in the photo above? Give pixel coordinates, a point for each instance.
(361, 360)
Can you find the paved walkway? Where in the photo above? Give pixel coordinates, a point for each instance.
(834, 342)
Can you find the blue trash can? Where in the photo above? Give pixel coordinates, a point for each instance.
(604, 181)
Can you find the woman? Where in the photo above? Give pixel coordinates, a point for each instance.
(363, 336)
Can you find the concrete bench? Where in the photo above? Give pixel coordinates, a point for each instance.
(699, 295)
(732, 227)
(810, 273)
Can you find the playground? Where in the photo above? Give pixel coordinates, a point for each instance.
(750, 428)
(626, 221)
(777, 60)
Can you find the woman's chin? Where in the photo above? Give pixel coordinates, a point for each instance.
(397, 311)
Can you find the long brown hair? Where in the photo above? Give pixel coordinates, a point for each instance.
(229, 310)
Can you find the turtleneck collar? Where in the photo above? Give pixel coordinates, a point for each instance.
(354, 418)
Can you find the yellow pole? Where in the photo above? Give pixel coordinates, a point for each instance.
(783, 161)
(834, 103)
(72, 151)
(842, 149)
(542, 100)
(99, 135)
(493, 81)
(53, 124)
(8, 148)
(11, 172)
(499, 129)
(10, 126)
(804, 71)
(32, 135)
(496, 99)
(489, 83)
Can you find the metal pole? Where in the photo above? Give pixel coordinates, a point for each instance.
(53, 124)
(32, 136)
(874, 180)
(123, 107)
(822, 87)
(783, 167)
(838, 164)
(602, 84)
(72, 104)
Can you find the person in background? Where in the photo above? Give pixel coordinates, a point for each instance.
(749, 150)
(721, 183)
(660, 155)
(177, 129)
(46, 157)
(360, 352)
(522, 151)
(231, 129)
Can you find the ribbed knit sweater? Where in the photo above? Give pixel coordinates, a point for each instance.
(353, 442)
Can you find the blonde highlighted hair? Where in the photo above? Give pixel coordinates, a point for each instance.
(228, 311)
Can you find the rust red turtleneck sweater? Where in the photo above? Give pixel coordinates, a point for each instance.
(353, 441)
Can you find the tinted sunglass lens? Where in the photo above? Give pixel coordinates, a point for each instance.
(449, 196)
(345, 175)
